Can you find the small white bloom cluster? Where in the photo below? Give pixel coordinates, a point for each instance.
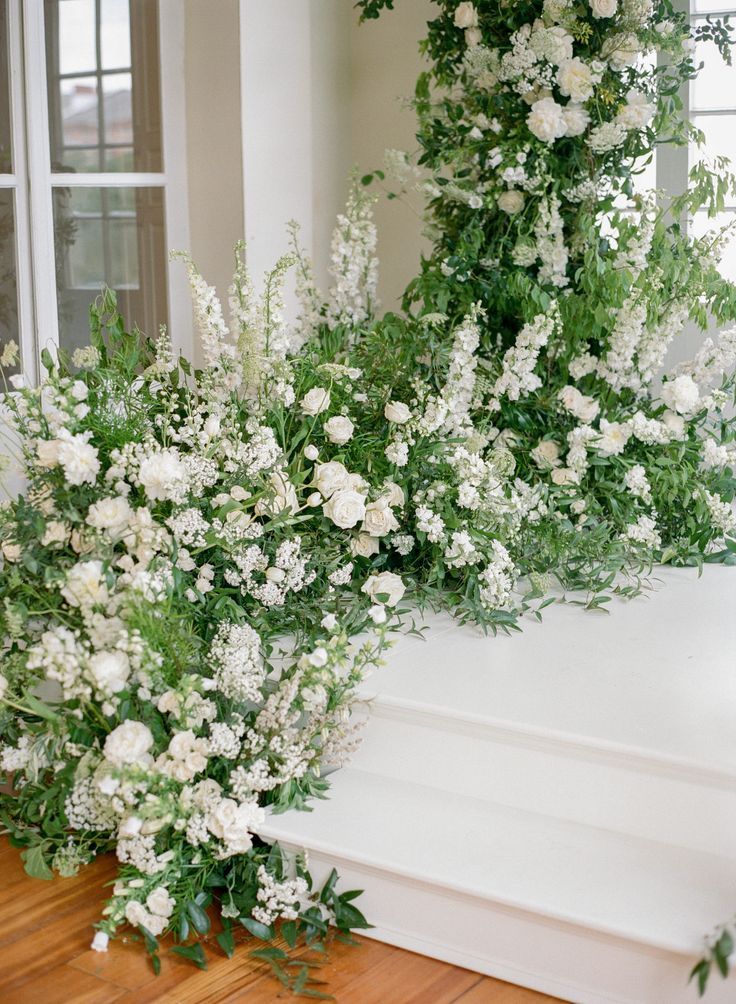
(237, 664)
(278, 900)
(497, 578)
(518, 375)
(354, 265)
(643, 533)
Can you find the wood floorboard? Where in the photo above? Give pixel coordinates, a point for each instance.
(46, 928)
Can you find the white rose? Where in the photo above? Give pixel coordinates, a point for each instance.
(546, 454)
(339, 429)
(580, 405)
(55, 532)
(161, 474)
(575, 79)
(47, 452)
(379, 520)
(385, 584)
(466, 16)
(637, 111)
(675, 423)
(546, 121)
(330, 477)
(473, 36)
(363, 546)
(621, 50)
(564, 476)
(311, 452)
(576, 119)
(511, 202)
(160, 902)
(232, 823)
(11, 552)
(681, 394)
(315, 401)
(285, 494)
(393, 493)
(211, 427)
(109, 671)
(136, 914)
(112, 514)
(397, 412)
(85, 585)
(603, 8)
(345, 508)
(129, 743)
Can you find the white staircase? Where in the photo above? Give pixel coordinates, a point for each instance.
(556, 809)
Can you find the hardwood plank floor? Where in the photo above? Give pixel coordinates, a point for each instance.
(46, 928)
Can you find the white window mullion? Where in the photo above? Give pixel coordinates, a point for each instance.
(23, 268)
(39, 178)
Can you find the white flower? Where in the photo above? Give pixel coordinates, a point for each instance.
(580, 405)
(129, 743)
(473, 36)
(162, 474)
(109, 671)
(614, 437)
(79, 390)
(329, 622)
(511, 202)
(466, 16)
(315, 401)
(3, 686)
(546, 454)
(546, 121)
(285, 496)
(379, 520)
(232, 822)
(311, 452)
(100, 941)
(185, 757)
(681, 394)
(397, 412)
(603, 8)
(621, 50)
(637, 111)
(47, 452)
(393, 493)
(377, 613)
(386, 584)
(575, 79)
(111, 514)
(79, 460)
(564, 476)
(55, 532)
(160, 903)
(553, 44)
(345, 508)
(576, 119)
(675, 424)
(339, 429)
(330, 477)
(85, 585)
(363, 546)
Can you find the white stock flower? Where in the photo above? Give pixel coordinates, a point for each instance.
(129, 743)
(79, 460)
(613, 438)
(112, 514)
(162, 475)
(109, 671)
(637, 111)
(47, 452)
(345, 507)
(85, 585)
(466, 16)
(397, 412)
(386, 584)
(546, 121)
(675, 424)
(315, 401)
(681, 394)
(339, 429)
(511, 201)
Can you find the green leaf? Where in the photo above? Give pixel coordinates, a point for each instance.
(198, 917)
(194, 953)
(225, 938)
(701, 972)
(258, 930)
(34, 862)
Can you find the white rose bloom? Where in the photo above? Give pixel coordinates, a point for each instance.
(11, 552)
(546, 121)
(55, 532)
(339, 429)
(473, 36)
(546, 454)
(79, 461)
(575, 79)
(162, 475)
(511, 202)
(363, 546)
(345, 508)
(232, 823)
(580, 405)
(466, 16)
(285, 494)
(681, 394)
(129, 743)
(379, 520)
(315, 401)
(394, 494)
(160, 902)
(111, 515)
(311, 452)
(330, 477)
(397, 412)
(47, 452)
(603, 8)
(637, 111)
(576, 119)
(109, 671)
(564, 476)
(621, 50)
(385, 584)
(85, 585)
(675, 424)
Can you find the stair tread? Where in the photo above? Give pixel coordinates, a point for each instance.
(652, 893)
(656, 678)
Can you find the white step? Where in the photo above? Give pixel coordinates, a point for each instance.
(557, 809)
(586, 914)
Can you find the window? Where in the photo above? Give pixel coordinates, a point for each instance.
(93, 184)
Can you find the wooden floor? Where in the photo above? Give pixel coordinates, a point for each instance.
(46, 928)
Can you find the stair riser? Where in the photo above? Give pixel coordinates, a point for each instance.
(597, 788)
(516, 946)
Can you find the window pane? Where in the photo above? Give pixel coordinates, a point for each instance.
(113, 237)
(6, 166)
(101, 120)
(715, 85)
(712, 6)
(8, 290)
(720, 137)
(702, 224)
